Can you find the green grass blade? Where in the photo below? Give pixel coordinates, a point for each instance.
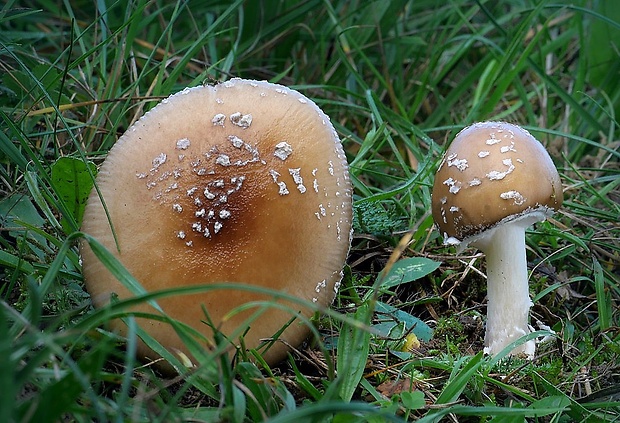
(353, 348)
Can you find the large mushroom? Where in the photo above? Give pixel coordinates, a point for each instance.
(241, 182)
(494, 181)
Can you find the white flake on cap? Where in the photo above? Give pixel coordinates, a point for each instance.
(496, 175)
(513, 195)
(235, 141)
(222, 160)
(320, 286)
(208, 194)
(281, 185)
(183, 144)
(283, 150)
(218, 119)
(493, 140)
(238, 181)
(454, 186)
(506, 149)
(159, 160)
(315, 182)
(241, 120)
(460, 164)
(296, 174)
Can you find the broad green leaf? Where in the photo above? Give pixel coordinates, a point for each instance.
(17, 212)
(72, 180)
(19, 208)
(413, 400)
(408, 270)
(412, 323)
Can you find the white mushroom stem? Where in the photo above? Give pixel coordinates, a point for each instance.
(507, 285)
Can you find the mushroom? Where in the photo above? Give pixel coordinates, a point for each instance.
(241, 182)
(494, 181)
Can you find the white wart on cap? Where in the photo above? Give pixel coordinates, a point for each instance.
(242, 182)
(494, 181)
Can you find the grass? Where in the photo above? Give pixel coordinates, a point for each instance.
(399, 79)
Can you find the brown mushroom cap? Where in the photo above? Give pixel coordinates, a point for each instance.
(492, 172)
(242, 182)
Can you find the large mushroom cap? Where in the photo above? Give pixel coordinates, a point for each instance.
(492, 172)
(242, 182)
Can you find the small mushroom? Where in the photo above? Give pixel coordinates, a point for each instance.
(241, 182)
(494, 181)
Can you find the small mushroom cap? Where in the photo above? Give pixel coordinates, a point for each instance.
(492, 172)
(242, 182)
